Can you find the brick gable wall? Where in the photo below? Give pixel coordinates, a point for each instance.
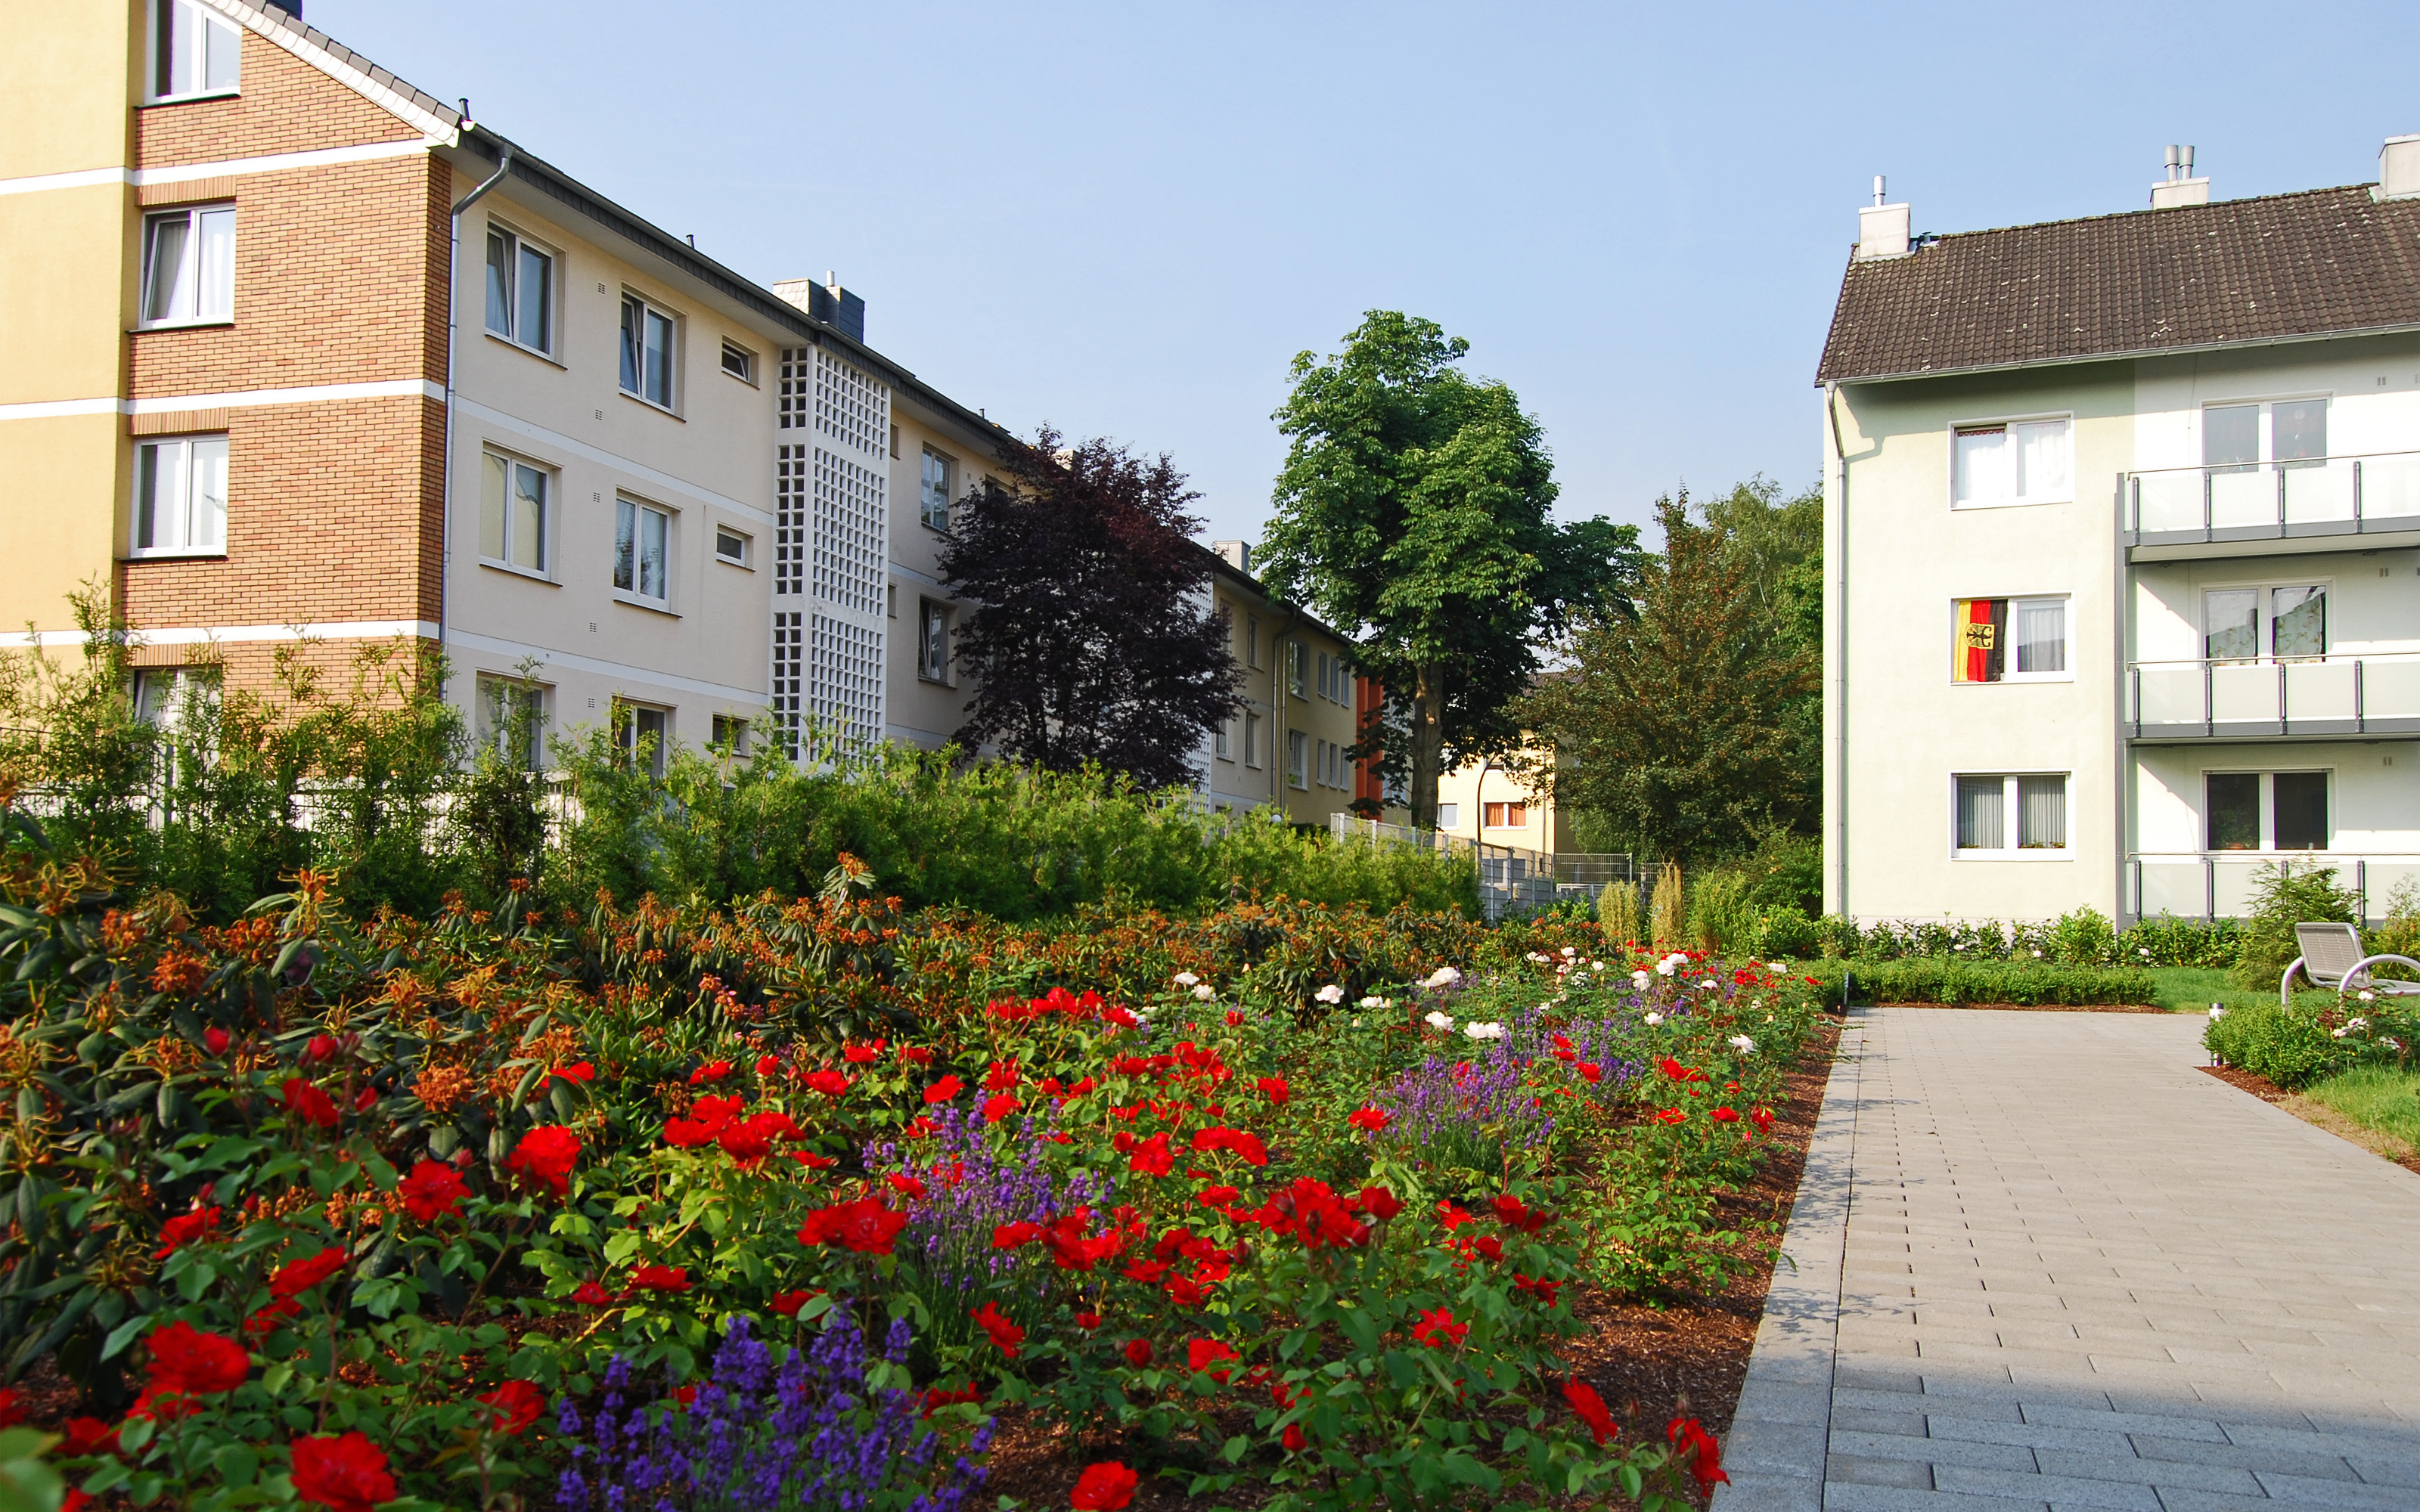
(285, 105)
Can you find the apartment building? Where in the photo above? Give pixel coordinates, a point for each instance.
(316, 359)
(2123, 548)
(1286, 747)
(1500, 803)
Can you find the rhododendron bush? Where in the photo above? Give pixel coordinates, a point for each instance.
(788, 1203)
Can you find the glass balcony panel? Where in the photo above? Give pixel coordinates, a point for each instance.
(2319, 492)
(2378, 882)
(2390, 486)
(2390, 687)
(2232, 883)
(2244, 693)
(2319, 689)
(2242, 499)
(2171, 694)
(2173, 887)
(2169, 501)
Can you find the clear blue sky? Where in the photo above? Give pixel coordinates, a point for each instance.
(1125, 219)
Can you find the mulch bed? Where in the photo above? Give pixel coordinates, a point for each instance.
(2269, 1092)
(1684, 1353)
(2043, 1008)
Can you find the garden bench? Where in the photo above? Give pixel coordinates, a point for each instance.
(2331, 958)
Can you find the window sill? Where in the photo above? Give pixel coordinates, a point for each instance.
(523, 573)
(1957, 508)
(653, 606)
(927, 523)
(215, 553)
(192, 98)
(546, 357)
(2041, 853)
(933, 682)
(745, 566)
(2026, 680)
(664, 410)
(213, 323)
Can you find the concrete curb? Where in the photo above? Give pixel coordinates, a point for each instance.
(1777, 1449)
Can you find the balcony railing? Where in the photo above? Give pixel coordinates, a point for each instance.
(2272, 696)
(2222, 884)
(2273, 501)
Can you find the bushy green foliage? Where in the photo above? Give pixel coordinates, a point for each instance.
(2166, 941)
(2290, 1046)
(2285, 896)
(1934, 979)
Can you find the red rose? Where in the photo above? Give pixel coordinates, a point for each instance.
(1371, 1120)
(293, 1280)
(907, 1186)
(915, 1055)
(1590, 1409)
(1203, 1353)
(944, 1089)
(214, 1040)
(202, 1222)
(431, 1191)
(713, 1071)
(1294, 1439)
(321, 1048)
(660, 1278)
(12, 1411)
(309, 1104)
(788, 1302)
(1108, 1487)
(1438, 1331)
(1012, 1236)
(1380, 1203)
(1152, 1158)
(1087, 1322)
(767, 1065)
(516, 1405)
(1005, 1336)
(589, 1294)
(830, 1083)
(545, 1158)
(267, 1318)
(1138, 1352)
(858, 1054)
(347, 1472)
(185, 1359)
(1671, 1116)
(1274, 1089)
(579, 1070)
(88, 1436)
(1689, 1437)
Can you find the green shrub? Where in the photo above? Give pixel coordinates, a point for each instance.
(2184, 942)
(2291, 1046)
(1931, 980)
(2081, 939)
(2284, 897)
(1722, 913)
(1782, 932)
(1616, 911)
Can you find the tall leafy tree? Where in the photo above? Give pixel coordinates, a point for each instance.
(1413, 513)
(1092, 641)
(1681, 725)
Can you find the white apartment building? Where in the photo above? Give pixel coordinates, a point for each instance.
(2123, 555)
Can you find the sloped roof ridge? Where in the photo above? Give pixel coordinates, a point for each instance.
(1936, 238)
(296, 30)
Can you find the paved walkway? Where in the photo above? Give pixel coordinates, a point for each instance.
(2043, 1261)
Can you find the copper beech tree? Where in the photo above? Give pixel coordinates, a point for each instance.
(1091, 641)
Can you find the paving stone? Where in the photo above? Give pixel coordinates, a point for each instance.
(1932, 1451)
(2307, 1491)
(2159, 1473)
(2125, 1496)
(2316, 1463)
(1846, 1496)
(1908, 1474)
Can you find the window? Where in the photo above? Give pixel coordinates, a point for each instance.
(189, 266)
(2294, 806)
(1251, 740)
(641, 550)
(512, 720)
(162, 695)
(1322, 674)
(193, 52)
(1449, 815)
(646, 351)
(2024, 462)
(1504, 815)
(933, 642)
(2296, 626)
(1251, 641)
(2004, 814)
(1222, 743)
(731, 734)
(180, 496)
(1989, 630)
(936, 494)
(894, 443)
(1298, 759)
(520, 291)
(730, 545)
(642, 733)
(2296, 431)
(513, 497)
(740, 361)
(1294, 658)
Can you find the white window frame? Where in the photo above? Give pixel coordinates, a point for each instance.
(1508, 804)
(1448, 816)
(935, 513)
(746, 370)
(1298, 759)
(2009, 424)
(1222, 740)
(635, 595)
(931, 616)
(2267, 808)
(204, 284)
(1298, 663)
(2009, 654)
(627, 731)
(2011, 820)
(515, 296)
(549, 512)
(493, 693)
(199, 521)
(1253, 740)
(731, 730)
(2265, 621)
(2267, 405)
(747, 557)
(212, 30)
(649, 310)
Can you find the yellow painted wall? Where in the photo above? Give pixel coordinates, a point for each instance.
(67, 81)
(58, 513)
(69, 249)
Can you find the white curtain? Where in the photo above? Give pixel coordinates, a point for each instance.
(1984, 474)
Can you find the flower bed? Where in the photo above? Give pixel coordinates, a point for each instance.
(788, 1204)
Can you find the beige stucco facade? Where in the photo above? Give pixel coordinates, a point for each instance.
(1286, 745)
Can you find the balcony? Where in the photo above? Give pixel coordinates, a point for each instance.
(2220, 884)
(2173, 512)
(2274, 698)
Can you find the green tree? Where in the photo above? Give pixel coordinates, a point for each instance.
(1413, 515)
(1676, 722)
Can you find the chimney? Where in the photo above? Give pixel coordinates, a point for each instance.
(1882, 229)
(1238, 554)
(826, 302)
(292, 8)
(2398, 168)
(2180, 187)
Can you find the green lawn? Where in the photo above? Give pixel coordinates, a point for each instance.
(2375, 1097)
(2193, 989)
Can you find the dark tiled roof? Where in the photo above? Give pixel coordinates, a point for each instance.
(2321, 262)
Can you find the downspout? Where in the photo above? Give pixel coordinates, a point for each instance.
(453, 302)
(1839, 822)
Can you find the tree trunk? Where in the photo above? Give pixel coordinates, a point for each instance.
(1428, 743)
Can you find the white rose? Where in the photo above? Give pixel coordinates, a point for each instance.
(1484, 1031)
(1330, 994)
(1596, 966)
(1440, 1021)
(1653, 1019)
(2369, 996)
(1638, 980)
(1442, 977)
(1570, 951)
(1372, 1002)
(2338, 1034)
(2216, 1012)
(1741, 1043)
(1185, 979)
(1205, 991)
(1663, 969)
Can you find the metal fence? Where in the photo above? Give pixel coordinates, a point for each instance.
(1510, 877)
(2220, 884)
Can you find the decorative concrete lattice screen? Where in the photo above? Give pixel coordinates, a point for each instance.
(832, 542)
(845, 672)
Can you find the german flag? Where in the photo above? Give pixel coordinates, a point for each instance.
(1983, 640)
